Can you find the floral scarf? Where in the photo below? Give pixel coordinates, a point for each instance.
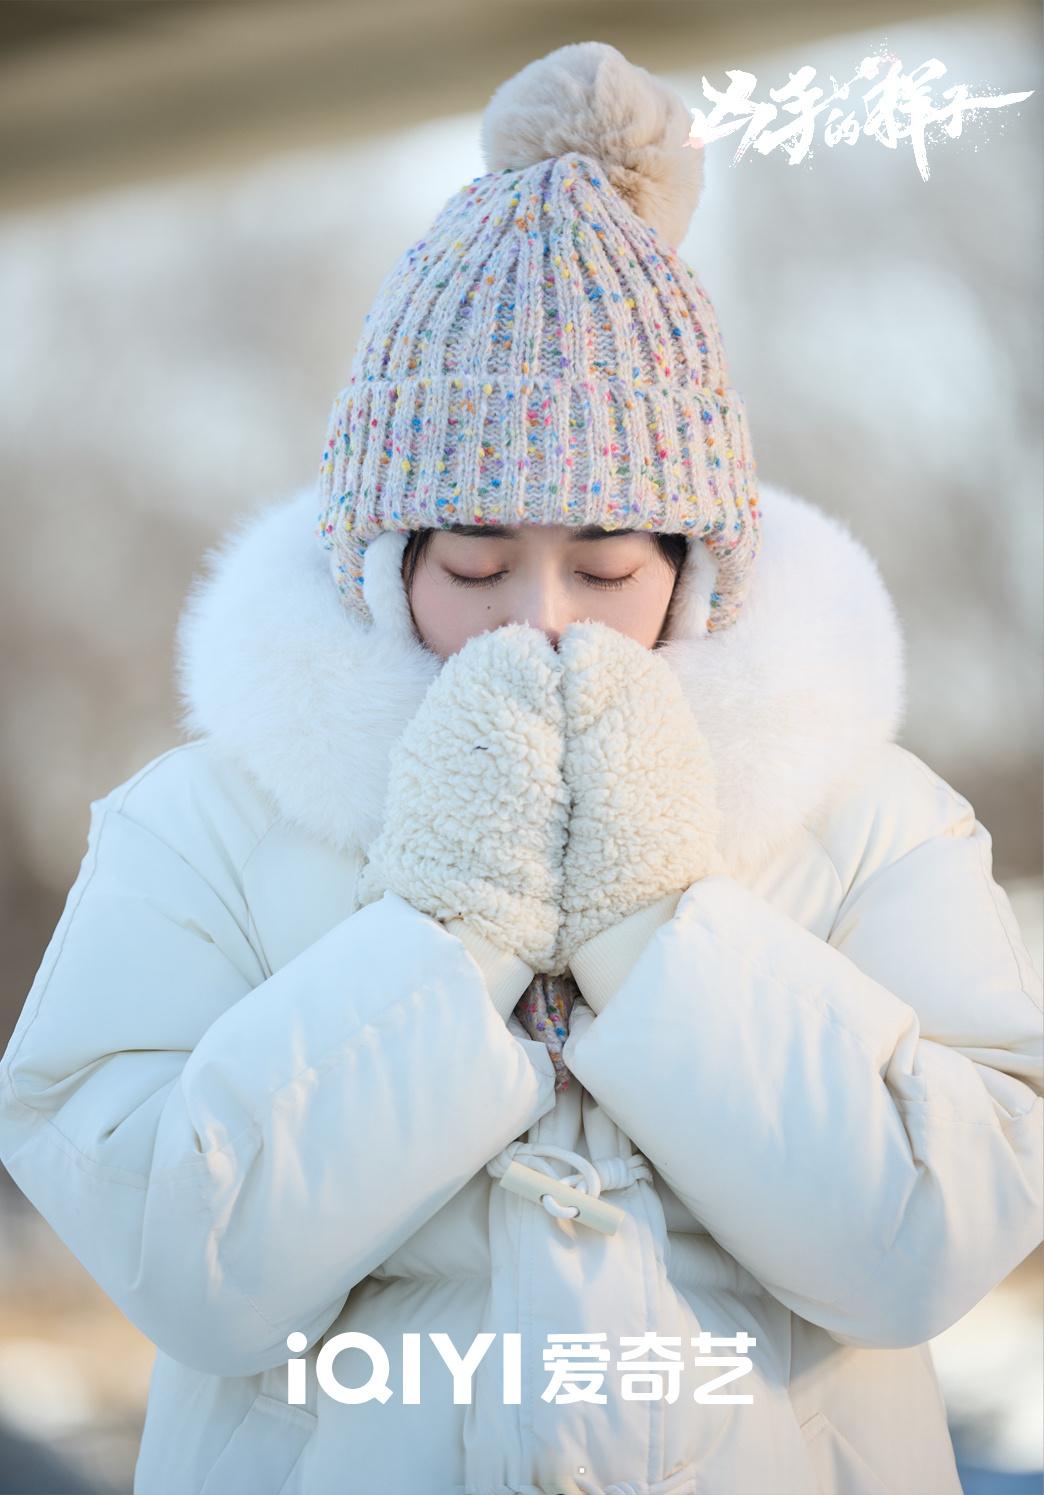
(543, 1010)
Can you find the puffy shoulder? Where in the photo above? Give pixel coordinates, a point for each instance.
(924, 916)
(900, 804)
(198, 802)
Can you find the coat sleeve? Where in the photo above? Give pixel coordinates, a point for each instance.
(857, 1119)
(229, 1155)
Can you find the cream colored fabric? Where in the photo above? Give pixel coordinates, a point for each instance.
(602, 964)
(643, 817)
(251, 1107)
(476, 814)
(505, 975)
(543, 354)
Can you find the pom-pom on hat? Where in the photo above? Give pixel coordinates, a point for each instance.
(543, 355)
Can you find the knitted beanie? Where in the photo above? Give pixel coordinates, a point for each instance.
(543, 355)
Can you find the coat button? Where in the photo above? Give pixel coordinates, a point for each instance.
(530, 1183)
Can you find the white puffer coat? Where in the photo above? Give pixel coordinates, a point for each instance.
(812, 1086)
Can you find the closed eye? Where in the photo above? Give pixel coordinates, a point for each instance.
(607, 582)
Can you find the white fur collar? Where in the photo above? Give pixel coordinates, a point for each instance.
(795, 697)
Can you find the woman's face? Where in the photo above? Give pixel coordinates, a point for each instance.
(479, 577)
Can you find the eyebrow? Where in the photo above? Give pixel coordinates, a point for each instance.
(501, 531)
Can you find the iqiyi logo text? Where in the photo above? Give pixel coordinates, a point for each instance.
(650, 1367)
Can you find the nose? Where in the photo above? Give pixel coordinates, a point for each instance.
(545, 611)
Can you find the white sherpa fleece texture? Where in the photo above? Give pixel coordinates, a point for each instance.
(795, 699)
(542, 797)
(643, 806)
(587, 97)
(476, 813)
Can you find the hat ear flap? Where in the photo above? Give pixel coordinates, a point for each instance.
(383, 588)
(692, 599)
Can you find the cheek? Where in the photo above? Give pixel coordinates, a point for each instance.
(639, 610)
(648, 592)
(446, 615)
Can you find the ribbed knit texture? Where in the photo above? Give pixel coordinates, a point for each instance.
(541, 356)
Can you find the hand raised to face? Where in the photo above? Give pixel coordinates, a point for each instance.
(475, 816)
(643, 815)
(543, 795)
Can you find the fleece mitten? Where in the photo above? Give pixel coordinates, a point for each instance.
(643, 815)
(476, 813)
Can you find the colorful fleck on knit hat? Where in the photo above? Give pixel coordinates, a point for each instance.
(543, 355)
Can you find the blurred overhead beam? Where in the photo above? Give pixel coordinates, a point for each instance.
(97, 93)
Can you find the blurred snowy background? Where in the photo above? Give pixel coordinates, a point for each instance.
(197, 203)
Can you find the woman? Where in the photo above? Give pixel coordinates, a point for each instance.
(544, 963)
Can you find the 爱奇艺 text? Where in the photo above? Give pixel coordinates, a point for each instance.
(650, 1367)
